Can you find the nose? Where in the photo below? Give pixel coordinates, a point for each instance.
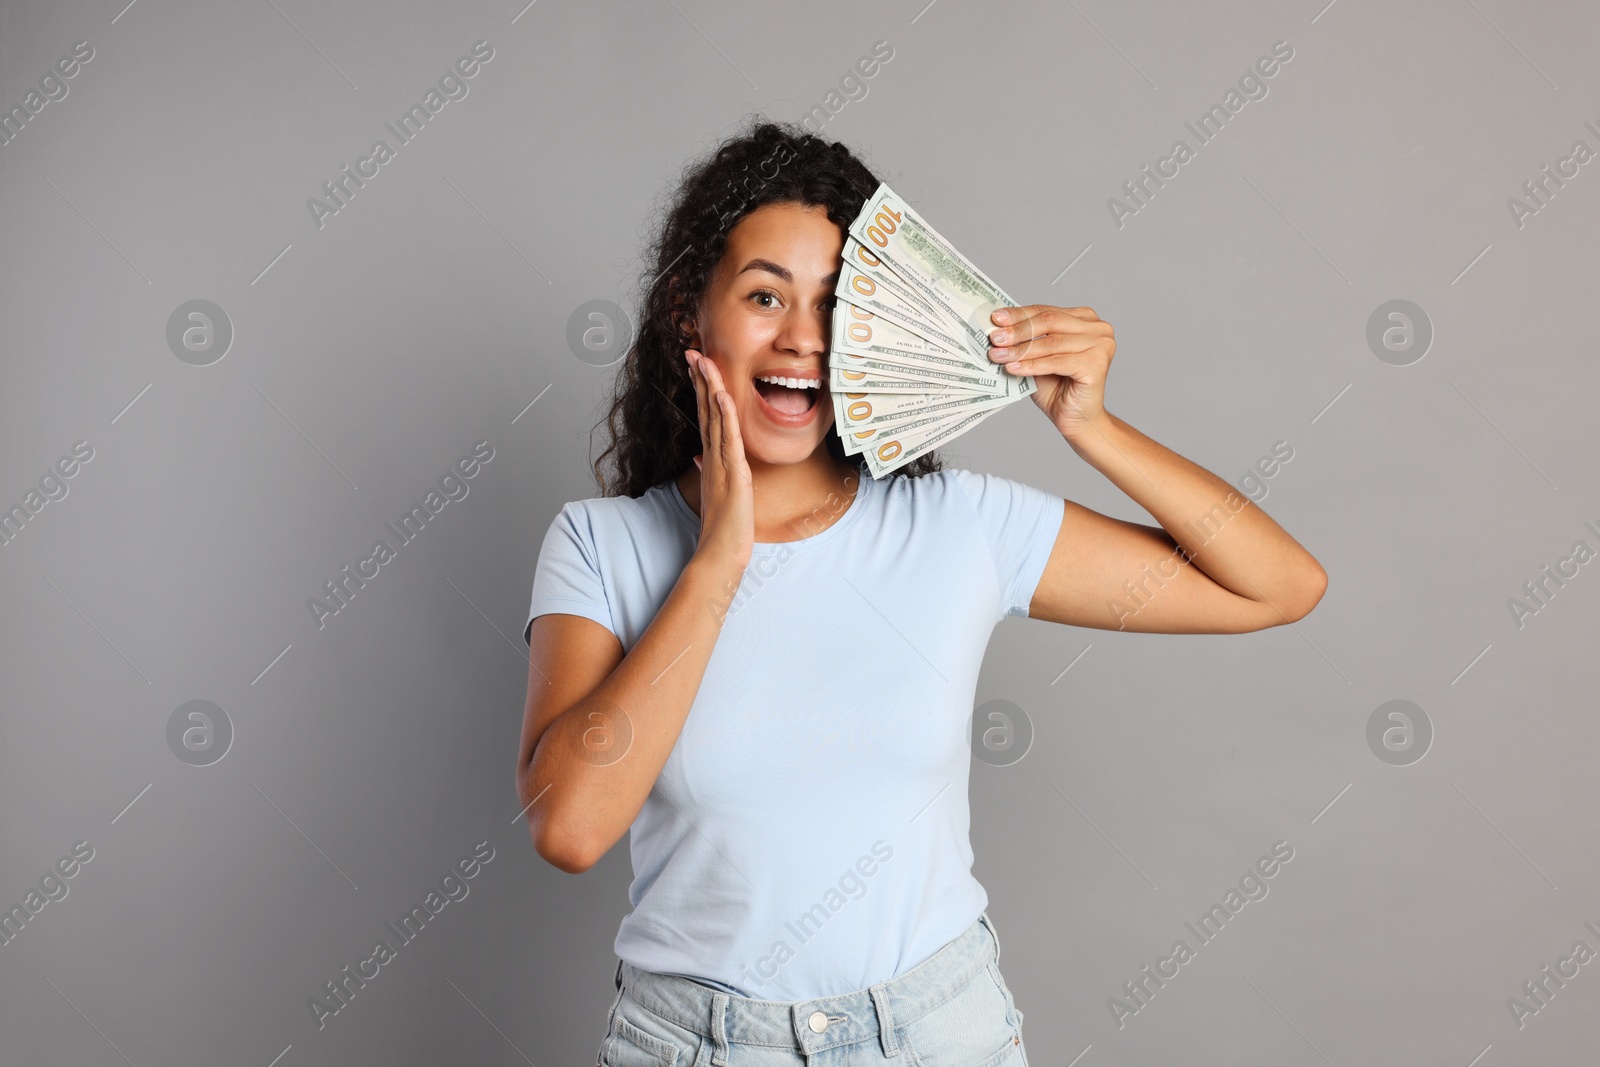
(804, 332)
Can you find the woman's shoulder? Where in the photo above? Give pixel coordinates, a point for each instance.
(958, 487)
(971, 482)
(934, 497)
(655, 506)
(943, 483)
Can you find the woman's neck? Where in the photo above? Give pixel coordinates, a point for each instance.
(792, 501)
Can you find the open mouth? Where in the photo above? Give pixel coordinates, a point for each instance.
(790, 396)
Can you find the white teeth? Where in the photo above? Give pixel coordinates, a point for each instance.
(792, 383)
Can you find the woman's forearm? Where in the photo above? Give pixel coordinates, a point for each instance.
(1234, 542)
(596, 762)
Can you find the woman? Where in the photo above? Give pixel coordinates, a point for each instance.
(763, 663)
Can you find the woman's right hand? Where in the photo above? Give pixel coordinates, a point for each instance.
(727, 497)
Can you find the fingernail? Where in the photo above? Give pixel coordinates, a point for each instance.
(1000, 337)
(1002, 316)
(999, 355)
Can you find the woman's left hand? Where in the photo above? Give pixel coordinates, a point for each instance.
(1067, 350)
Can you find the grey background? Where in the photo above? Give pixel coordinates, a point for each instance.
(370, 755)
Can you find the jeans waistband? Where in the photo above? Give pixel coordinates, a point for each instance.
(821, 1023)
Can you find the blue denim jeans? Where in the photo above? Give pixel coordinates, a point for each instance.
(952, 1010)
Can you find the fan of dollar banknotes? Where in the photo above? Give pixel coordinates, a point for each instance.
(909, 368)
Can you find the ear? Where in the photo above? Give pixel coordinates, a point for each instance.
(687, 328)
(684, 319)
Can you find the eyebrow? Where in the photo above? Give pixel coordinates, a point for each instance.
(782, 272)
(770, 267)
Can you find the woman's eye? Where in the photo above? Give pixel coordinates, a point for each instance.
(765, 298)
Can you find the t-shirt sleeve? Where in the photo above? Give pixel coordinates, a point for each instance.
(1020, 523)
(567, 578)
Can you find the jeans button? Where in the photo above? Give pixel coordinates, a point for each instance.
(818, 1021)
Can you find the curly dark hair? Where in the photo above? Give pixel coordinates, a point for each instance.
(653, 422)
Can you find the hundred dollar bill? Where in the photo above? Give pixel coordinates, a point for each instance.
(863, 291)
(927, 312)
(848, 374)
(908, 361)
(896, 365)
(888, 453)
(859, 329)
(920, 256)
(904, 439)
(1003, 384)
(841, 380)
(902, 364)
(892, 410)
(864, 438)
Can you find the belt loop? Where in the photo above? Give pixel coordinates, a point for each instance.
(886, 1035)
(619, 974)
(992, 933)
(719, 1033)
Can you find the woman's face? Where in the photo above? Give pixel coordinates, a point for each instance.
(766, 313)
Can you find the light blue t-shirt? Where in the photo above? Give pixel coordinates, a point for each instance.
(808, 834)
